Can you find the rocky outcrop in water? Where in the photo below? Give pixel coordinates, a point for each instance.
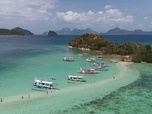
(52, 33)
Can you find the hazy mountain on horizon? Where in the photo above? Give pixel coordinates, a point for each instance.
(64, 31)
(67, 31)
(114, 31)
(118, 31)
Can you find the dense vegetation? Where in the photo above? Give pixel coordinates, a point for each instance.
(15, 31)
(137, 51)
(22, 31)
(9, 32)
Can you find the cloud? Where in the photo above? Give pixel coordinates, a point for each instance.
(108, 16)
(145, 18)
(38, 13)
(108, 7)
(25, 10)
(74, 17)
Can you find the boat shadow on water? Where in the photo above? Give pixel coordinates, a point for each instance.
(39, 89)
(74, 82)
(43, 89)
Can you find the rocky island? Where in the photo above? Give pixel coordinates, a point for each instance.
(52, 33)
(135, 52)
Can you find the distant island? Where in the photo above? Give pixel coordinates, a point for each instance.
(75, 31)
(67, 31)
(118, 31)
(128, 51)
(115, 31)
(52, 33)
(15, 31)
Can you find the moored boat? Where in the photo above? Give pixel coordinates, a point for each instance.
(70, 59)
(44, 84)
(91, 59)
(76, 78)
(101, 68)
(94, 58)
(88, 60)
(98, 64)
(99, 57)
(114, 61)
(88, 71)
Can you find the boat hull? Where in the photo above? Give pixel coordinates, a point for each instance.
(44, 84)
(76, 78)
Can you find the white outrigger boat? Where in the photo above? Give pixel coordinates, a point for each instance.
(88, 71)
(44, 84)
(94, 58)
(114, 61)
(70, 59)
(76, 78)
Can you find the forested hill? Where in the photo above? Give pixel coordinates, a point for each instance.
(138, 52)
(15, 31)
(90, 41)
(22, 31)
(9, 32)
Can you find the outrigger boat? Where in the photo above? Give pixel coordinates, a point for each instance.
(88, 71)
(76, 78)
(44, 84)
(98, 64)
(114, 61)
(101, 68)
(94, 58)
(70, 59)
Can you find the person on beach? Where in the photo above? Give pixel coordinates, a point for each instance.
(1, 100)
(22, 97)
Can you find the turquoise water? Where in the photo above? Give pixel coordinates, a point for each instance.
(129, 92)
(44, 66)
(17, 80)
(18, 83)
(134, 98)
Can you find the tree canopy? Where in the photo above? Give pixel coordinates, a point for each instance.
(138, 51)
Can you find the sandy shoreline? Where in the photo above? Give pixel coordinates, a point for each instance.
(124, 77)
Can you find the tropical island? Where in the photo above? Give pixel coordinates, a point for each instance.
(15, 31)
(135, 52)
(52, 33)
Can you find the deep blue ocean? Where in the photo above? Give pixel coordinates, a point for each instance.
(134, 98)
(16, 46)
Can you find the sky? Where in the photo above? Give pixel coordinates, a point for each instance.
(39, 16)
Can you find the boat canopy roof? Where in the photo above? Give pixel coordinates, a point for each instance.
(75, 76)
(39, 81)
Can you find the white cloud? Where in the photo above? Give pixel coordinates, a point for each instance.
(145, 18)
(109, 17)
(25, 10)
(108, 7)
(36, 14)
(74, 17)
